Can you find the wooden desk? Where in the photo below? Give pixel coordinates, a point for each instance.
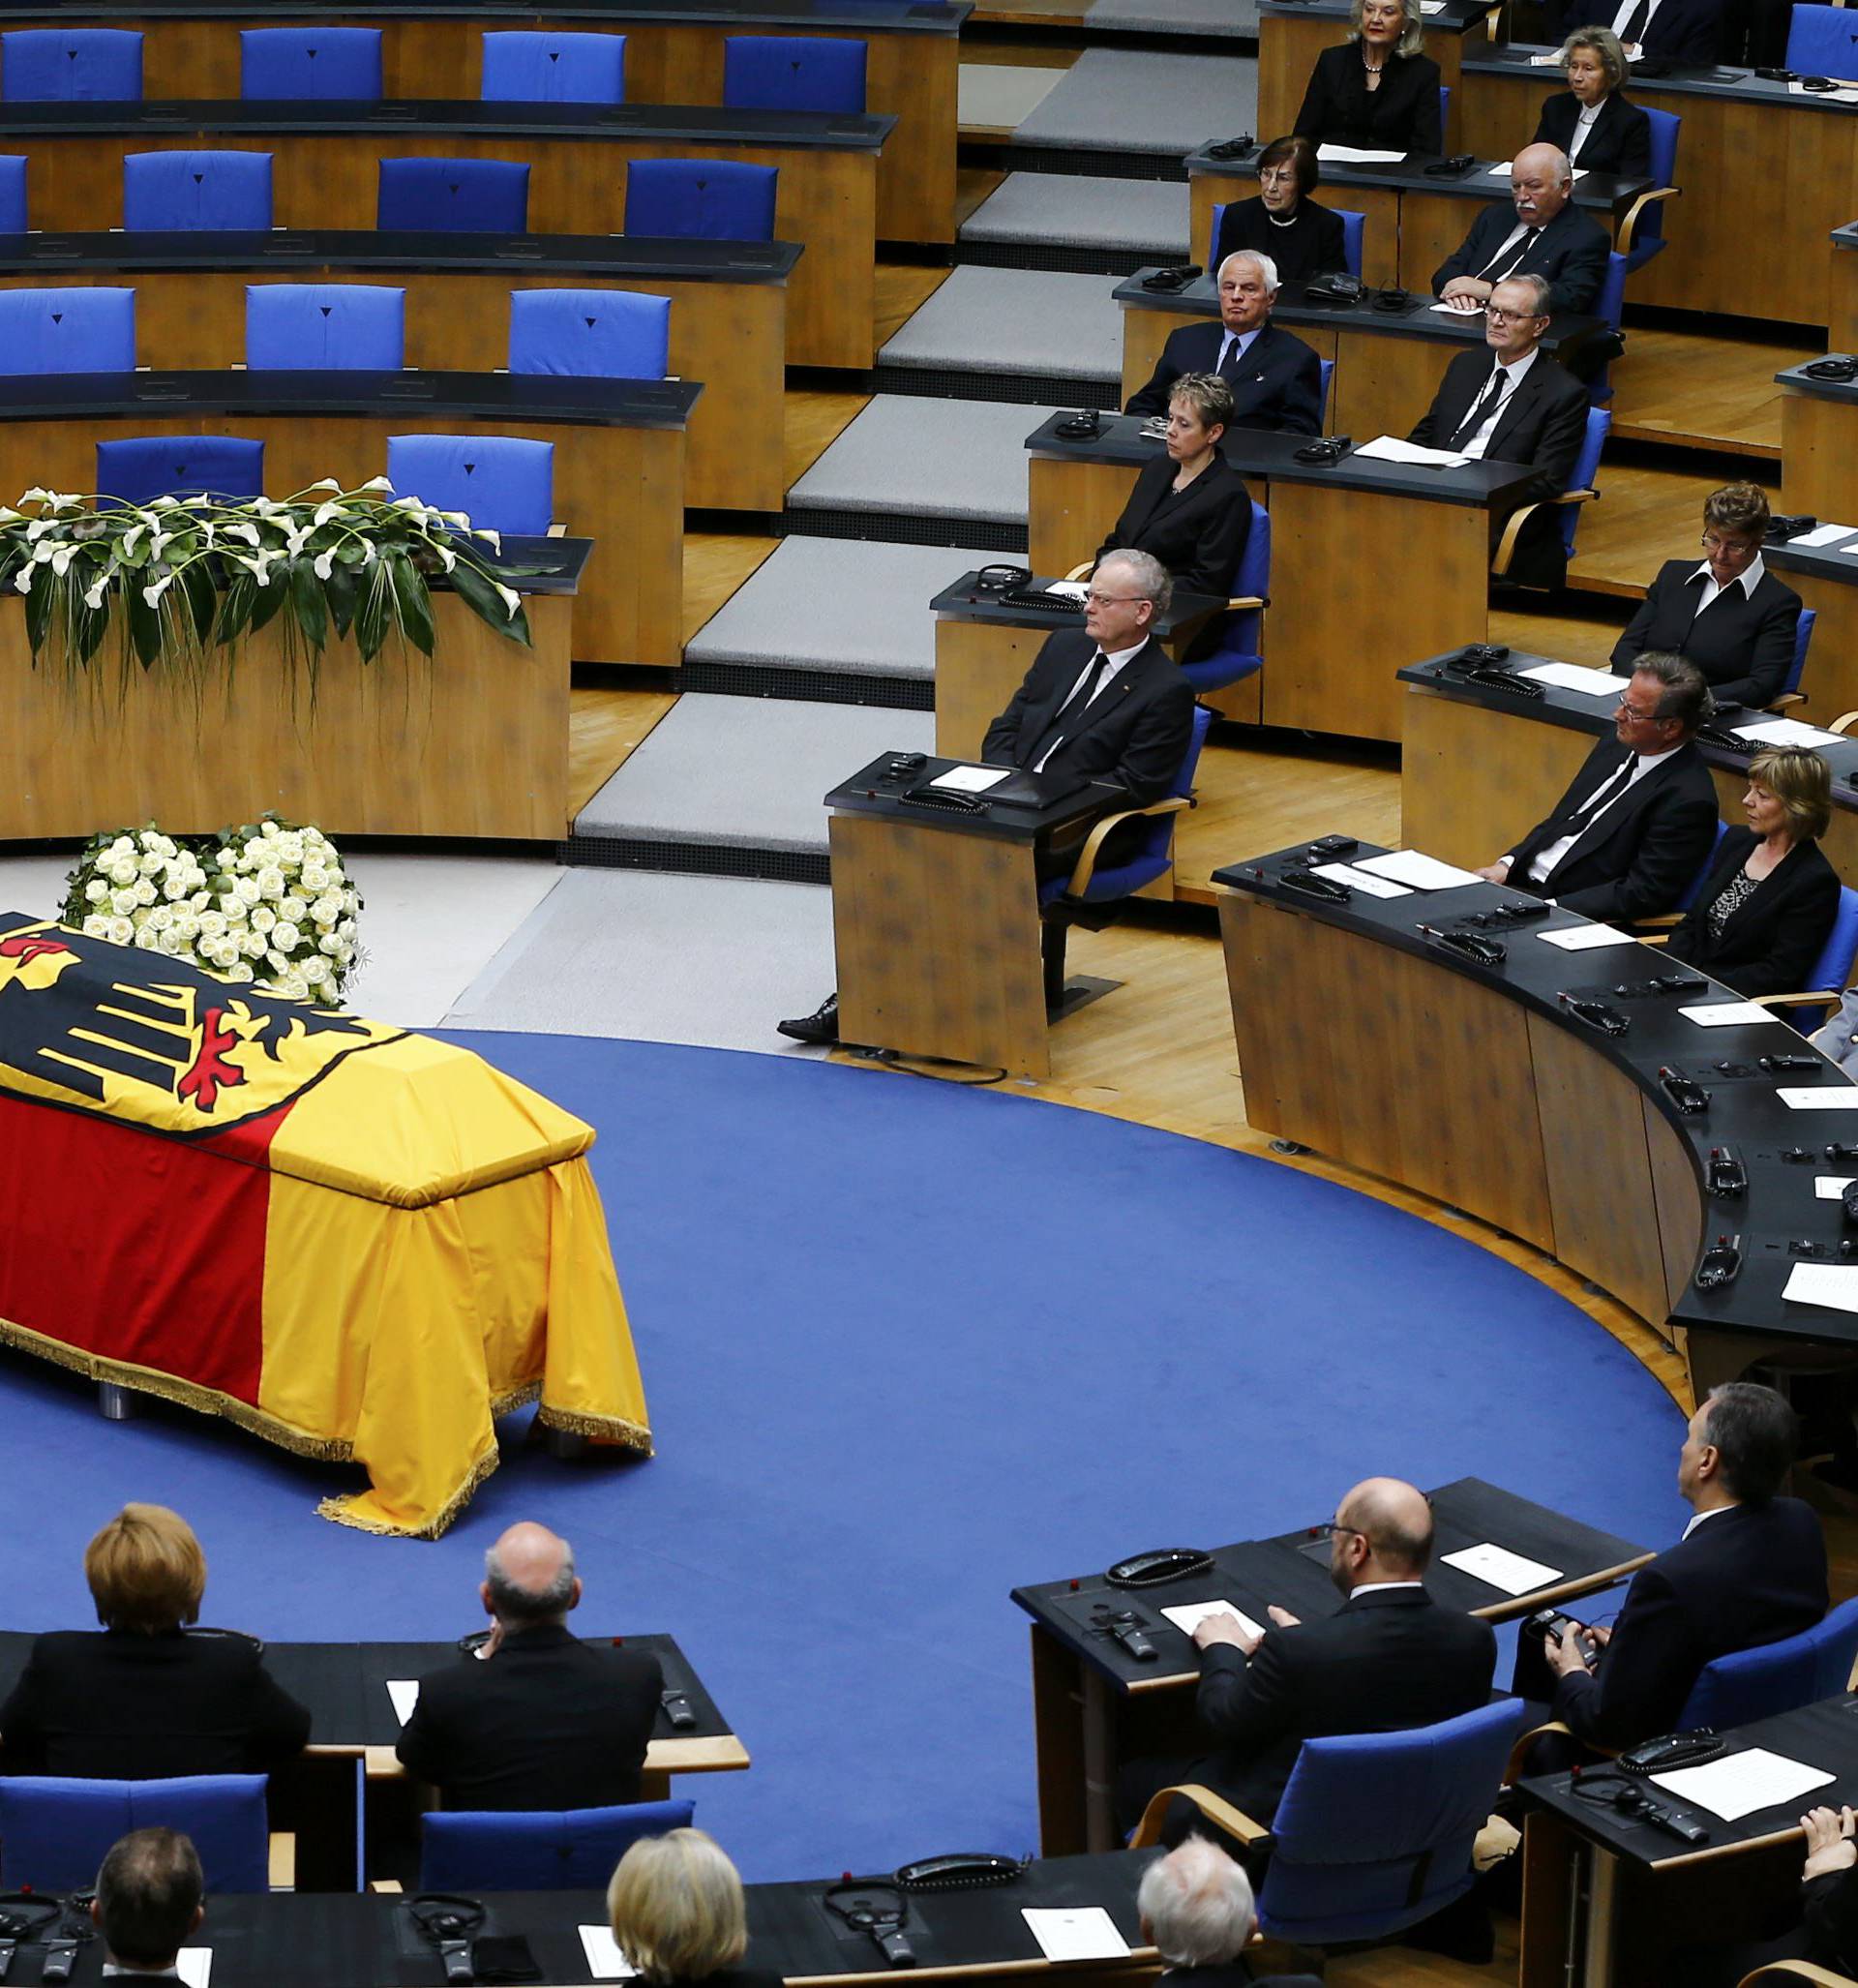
(1841, 325)
(325, 175)
(1341, 618)
(1819, 432)
(673, 55)
(1826, 580)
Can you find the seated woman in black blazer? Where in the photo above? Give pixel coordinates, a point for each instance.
(1280, 220)
(678, 1913)
(1730, 616)
(1376, 91)
(1768, 904)
(1189, 507)
(1592, 120)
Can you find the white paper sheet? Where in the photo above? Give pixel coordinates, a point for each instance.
(1786, 732)
(1797, 89)
(1572, 676)
(1834, 1286)
(1819, 1097)
(971, 779)
(1459, 307)
(1071, 589)
(1188, 1616)
(1498, 1568)
(1501, 171)
(1830, 1187)
(1412, 866)
(195, 1966)
(1739, 1783)
(1354, 155)
(605, 1961)
(1389, 448)
(1361, 880)
(1088, 1933)
(1824, 534)
(1727, 1014)
(404, 1693)
(1586, 938)
(1548, 61)
(1431, 6)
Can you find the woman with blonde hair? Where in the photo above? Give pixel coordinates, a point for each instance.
(679, 1916)
(1375, 91)
(1593, 120)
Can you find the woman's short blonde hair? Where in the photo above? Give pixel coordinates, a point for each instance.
(676, 1906)
(1801, 781)
(1412, 35)
(1208, 395)
(1604, 44)
(147, 1570)
(1737, 507)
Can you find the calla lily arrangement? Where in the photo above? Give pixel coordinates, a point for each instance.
(194, 574)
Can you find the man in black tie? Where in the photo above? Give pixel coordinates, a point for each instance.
(1541, 232)
(1277, 380)
(1689, 32)
(1638, 821)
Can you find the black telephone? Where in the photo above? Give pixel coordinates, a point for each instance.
(997, 579)
(1690, 1096)
(1485, 951)
(1325, 889)
(1674, 1750)
(1340, 289)
(1454, 168)
(961, 1870)
(1176, 277)
(1160, 1564)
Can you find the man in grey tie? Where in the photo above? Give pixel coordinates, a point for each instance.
(1539, 231)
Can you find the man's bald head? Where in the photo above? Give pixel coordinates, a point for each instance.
(529, 1576)
(1396, 1524)
(1540, 180)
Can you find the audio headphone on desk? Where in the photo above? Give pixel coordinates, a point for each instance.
(1167, 282)
(1084, 426)
(1328, 451)
(1241, 147)
(1838, 367)
(1392, 299)
(1001, 579)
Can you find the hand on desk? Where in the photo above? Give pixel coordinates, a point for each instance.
(1225, 1627)
(1829, 1841)
(1468, 292)
(1283, 1618)
(1496, 872)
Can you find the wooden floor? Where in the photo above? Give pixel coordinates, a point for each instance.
(1701, 390)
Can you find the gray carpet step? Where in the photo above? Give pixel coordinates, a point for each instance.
(920, 471)
(1057, 221)
(1024, 335)
(1136, 113)
(821, 619)
(1223, 19)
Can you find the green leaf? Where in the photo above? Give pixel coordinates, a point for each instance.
(144, 627)
(91, 625)
(267, 600)
(413, 601)
(339, 590)
(478, 592)
(235, 609)
(195, 586)
(39, 611)
(307, 606)
(375, 611)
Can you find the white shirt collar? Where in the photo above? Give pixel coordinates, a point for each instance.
(1118, 658)
(1516, 368)
(1699, 1518)
(1747, 580)
(1370, 1586)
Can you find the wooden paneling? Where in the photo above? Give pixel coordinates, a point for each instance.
(1433, 227)
(1144, 334)
(1819, 445)
(1842, 331)
(1383, 384)
(1830, 678)
(1677, 1199)
(1474, 781)
(978, 666)
(1071, 506)
(474, 743)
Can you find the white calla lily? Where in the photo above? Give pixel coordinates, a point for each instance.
(325, 566)
(323, 483)
(508, 595)
(494, 540)
(377, 483)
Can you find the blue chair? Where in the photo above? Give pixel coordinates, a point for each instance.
(1808, 1010)
(1790, 692)
(552, 1849)
(1704, 868)
(792, 73)
(76, 65)
(1374, 1830)
(1581, 491)
(1609, 305)
(1823, 41)
(501, 482)
(139, 468)
(454, 195)
(187, 191)
(77, 330)
(607, 333)
(55, 1829)
(324, 327)
(1445, 114)
(12, 194)
(1641, 234)
(1800, 1670)
(1239, 651)
(520, 67)
(707, 200)
(1327, 366)
(327, 65)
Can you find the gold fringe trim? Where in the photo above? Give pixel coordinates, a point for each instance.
(517, 1397)
(341, 1510)
(599, 1429)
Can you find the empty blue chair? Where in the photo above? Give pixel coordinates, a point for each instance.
(454, 195)
(1823, 41)
(329, 64)
(139, 468)
(1239, 649)
(501, 482)
(88, 330)
(608, 334)
(1802, 641)
(520, 67)
(12, 194)
(71, 66)
(707, 200)
(1608, 306)
(324, 327)
(1641, 234)
(1816, 1664)
(792, 73)
(55, 1829)
(197, 189)
(1697, 882)
(561, 1849)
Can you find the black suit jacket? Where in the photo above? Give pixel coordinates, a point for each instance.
(1401, 116)
(1389, 1659)
(1771, 939)
(1638, 858)
(1198, 536)
(1686, 32)
(1743, 646)
(1277, 385)
(1568, 254)
(1749, 1576)
(547, 1723)
(1620, 141)
(1311, 244)
(114, 1705)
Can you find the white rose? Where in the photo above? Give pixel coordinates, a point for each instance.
(346, 929)
(330, 944)
(95, 891)
(293, 908)
(188, 926)
(148, 862)
(248, 890)
(172, 942)
(120, 848)
(351, 902)
(269, 830)
(271, 882)
(252, 944)
(314, 877)
(293, 986)
(237, 969)
(212, 923)
(122, 902)
(138, 918)
(286, 937)
(315, 971)
(276, 960)
(288, 850)
(174, 890)
(263, 918)
(121, 932)
(199, 900)
(346, 954)
(95, 927)
(144, 890)
(227, 859)
(123, 872)
(161, 917)
(148, 939)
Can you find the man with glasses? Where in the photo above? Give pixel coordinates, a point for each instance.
(1730, 616)
(1539, 232)
(1638, 821)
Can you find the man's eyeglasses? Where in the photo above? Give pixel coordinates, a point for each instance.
(1638, 717)
(1104, 600)
(1329, 1527)
(1507, 316)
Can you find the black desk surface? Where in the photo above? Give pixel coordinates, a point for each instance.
(345, 1684)
(482, 395)
(685, 123)
(879, 17)
(667, 257)
(1797, 381)
(1512, 58)
(1293, 1572)
(1822, 561)
(1824, 1736)
(1455, 17)
(1417, 320)
(963, 601)
(1744, 1113)
(1256, 452)
(1845, 237)
(875, 791)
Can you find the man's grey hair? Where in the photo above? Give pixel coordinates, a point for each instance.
(1267, 268)
(1683, 693)
(1538, 285)
(1153, 582)
(525, 1605)
(1197, 1902)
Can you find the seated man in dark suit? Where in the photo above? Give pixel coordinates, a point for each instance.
(1277, 380)
(1197, 1913)
(148, 1904)
(537, 1719)
(1638, 821)
(1539, 232)
(1509, 401)
(1731, 617)
(1102, 703)
(1686, 32)
(1751, 1569)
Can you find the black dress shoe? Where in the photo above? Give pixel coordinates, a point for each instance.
(821, 1026)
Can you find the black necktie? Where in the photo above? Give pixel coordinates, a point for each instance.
(1229, 355)
(1635, 26)
(1608, 790)
(1505, 260)
(1480, 409)
(1072, 711)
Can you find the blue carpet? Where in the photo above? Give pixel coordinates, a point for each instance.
(905, 1346)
